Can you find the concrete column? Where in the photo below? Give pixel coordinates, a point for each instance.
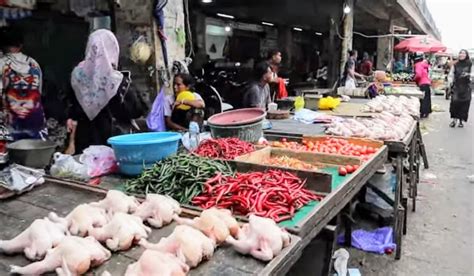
(347, 33)
(385, 47)
(285, 40)
(333, 58)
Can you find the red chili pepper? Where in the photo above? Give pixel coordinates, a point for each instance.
(225, 148)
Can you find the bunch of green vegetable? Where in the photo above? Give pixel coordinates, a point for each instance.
(181, 176)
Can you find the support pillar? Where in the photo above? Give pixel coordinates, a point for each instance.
(347, 33)
(385, 47)
(285, 40)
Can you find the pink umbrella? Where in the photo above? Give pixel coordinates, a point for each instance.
(425, 44)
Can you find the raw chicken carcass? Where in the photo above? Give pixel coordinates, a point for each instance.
(83, 218)
(261, 238)
(72, 256)
(185, 240)
(117, 202)
(121, 232)
(215, 223)
(37, 239)
(157, 263)
(158, 210)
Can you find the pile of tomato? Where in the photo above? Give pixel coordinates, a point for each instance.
(329, 146)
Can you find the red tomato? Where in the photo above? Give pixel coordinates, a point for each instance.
(284, 140)
(349, 169)
(356, 167)
(342, 171)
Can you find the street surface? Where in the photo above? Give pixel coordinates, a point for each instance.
(440, 238)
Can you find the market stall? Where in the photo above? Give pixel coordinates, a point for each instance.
(407, 145)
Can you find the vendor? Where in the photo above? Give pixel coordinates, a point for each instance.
(104, 101)
(20, 87)
(349, 76)
(258, 92)
(184, 106)
(277, 85)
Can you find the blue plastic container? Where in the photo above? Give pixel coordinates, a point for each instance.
(135, 152)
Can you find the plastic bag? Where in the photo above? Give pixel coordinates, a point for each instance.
(328, 103)
(378, 241)
(99, 160)
(156, 118)
(65, 166)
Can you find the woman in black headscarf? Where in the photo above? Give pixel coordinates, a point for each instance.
(460, 75)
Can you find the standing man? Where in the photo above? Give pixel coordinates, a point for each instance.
(21, 82)
(277, 85)
(258, 93)
(349, 75)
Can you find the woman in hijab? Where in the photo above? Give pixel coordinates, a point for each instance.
(424, 83)
(103, 96)
(460, 76)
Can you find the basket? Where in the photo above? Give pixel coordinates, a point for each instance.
(136, 152)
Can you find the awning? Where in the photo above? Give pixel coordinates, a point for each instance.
(425, 44)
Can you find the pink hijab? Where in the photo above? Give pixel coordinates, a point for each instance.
(94, 80)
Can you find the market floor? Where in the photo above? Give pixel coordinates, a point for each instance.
(440, 238)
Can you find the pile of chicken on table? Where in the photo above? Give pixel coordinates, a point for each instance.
(86, 236)
(392, 121)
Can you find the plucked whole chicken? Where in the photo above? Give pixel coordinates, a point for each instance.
(72, 256)
(37, 239)
(187, 241)
(215, 223)
(157, 263)
(117, 202)
(121, 232)
(384, 126)
(83, 218)
(393, 104)
(261, 238)
(158, 210)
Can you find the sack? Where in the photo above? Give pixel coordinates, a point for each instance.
(156, 118)
(99, 160)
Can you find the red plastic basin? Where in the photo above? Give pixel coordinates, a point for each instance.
(237, 117)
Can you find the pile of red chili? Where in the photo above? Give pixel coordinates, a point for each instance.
(225, 148)
(273, 194)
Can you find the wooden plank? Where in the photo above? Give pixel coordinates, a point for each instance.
(320, 160)
(333, 203)
(316, 181)
(330, 206)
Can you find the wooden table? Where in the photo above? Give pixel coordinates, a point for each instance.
(18, 213)
(410, 148)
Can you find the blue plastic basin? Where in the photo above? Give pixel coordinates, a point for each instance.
(136, 152)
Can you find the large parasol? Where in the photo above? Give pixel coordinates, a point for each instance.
(425, 44)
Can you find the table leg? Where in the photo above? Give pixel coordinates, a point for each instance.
(412, 174)
(398, 240)
(422, 147)
(397, 215)
(405, 214)
(348, 221)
